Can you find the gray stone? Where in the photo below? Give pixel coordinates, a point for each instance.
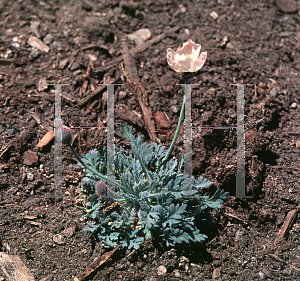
(261, 276)
(274, 92)
(122, 95)
(59, 239)
(48, 39)
(175, 109)
(140, 36)
(286, 272)
(239, 235)
(74, 66)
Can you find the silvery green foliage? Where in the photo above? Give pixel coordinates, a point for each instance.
(151, 194)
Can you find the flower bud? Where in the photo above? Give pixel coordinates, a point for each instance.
(101, 189)
(66, 136)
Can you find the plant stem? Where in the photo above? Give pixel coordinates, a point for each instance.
(176, 133)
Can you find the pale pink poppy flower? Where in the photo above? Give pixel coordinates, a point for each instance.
(186, 58)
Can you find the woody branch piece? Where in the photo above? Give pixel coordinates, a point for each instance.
(140, 93)
(287, 224)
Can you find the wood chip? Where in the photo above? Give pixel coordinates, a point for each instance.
(4, 150)
(46, 139)
(94, 94)
(30, 158)
(139, 92)
(216, 273)
(96, 264)
(235, 218)
(288, 222)
(27, 217)
(287, 6)
(37, 43)
(14, 269)
(161, 120)
(42, 84)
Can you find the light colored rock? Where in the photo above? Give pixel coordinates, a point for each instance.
(214, 15)
(182, 9)
(216, 273)
(59, 239)
(48, 39)
(161, 270)
(37, 43)
(122, 95)
(273, 92)
(140, 36)
(294, 105)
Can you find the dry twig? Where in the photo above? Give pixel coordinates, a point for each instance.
(96, 264)
(283, 232)
(140, 93)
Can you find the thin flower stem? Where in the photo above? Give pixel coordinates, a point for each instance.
(176, 133)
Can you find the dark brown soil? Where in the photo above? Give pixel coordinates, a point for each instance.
(262, 48)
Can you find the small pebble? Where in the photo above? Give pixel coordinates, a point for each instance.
(182, 9)
(59, 239)
(161, 270)
(175, 109)
(186, 31)
(273, 92)
(214, 15)
(48, 39)
(184, 259)
(140, 36)
(261, 276)
(286, 272)
(122, 95)
(10, 131)
(74, 66)
(30, 176)
(239, 235)
(176, 273)
(294, 105)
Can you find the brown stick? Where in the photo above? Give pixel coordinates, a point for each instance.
(96, 264)
(138, 49)
(95, 93)
(140, 93)
(291, 216)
